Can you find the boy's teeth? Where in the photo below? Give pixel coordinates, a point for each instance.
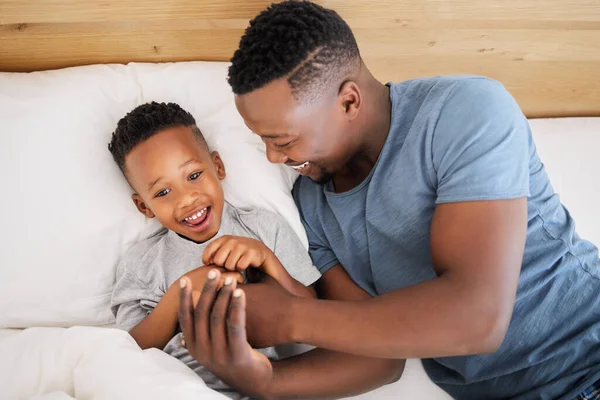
(196, 216)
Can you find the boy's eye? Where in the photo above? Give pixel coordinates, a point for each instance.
(162, 193)
(195, 176)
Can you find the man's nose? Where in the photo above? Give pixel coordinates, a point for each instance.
(275, 156)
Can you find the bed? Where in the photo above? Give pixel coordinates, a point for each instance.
(99, 59)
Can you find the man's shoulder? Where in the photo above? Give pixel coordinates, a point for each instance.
(447, 82)
(453, 102)
(448, 91)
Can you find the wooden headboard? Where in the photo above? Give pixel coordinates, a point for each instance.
(546, 52)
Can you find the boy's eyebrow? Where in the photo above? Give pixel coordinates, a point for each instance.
(187, 162)
(154, 182)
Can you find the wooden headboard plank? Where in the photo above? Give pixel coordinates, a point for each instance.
(57, 11)
(546, 52)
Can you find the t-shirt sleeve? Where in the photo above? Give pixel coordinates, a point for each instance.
(292, 254)
(480, 144)
(132, 299)
(320, 252)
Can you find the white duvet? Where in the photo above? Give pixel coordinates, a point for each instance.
(91, 363)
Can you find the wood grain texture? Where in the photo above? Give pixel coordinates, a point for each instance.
(546, 52)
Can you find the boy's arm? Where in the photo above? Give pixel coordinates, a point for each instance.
(160, 325)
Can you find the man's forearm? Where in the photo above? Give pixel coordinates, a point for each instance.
(322, 374)
(433, 319)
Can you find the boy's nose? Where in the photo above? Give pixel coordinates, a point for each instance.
(188, 199)
(275, 156)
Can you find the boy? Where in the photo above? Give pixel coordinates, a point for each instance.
(176, 179)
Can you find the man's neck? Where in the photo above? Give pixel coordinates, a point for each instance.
(377, 117)
(377, 121)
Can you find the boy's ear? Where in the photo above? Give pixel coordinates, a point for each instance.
(141, 205)
(219, 166)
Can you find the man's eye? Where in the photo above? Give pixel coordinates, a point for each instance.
(195, 176)
(162, 193)
(282, 146)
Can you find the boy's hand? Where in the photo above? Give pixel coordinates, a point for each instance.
(238, 253)
(198, 276)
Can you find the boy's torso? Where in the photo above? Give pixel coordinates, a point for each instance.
(169, 256)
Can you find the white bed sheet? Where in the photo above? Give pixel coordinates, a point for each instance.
(90, 363)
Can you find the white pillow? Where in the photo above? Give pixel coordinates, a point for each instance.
(568, 147)
(66, 211)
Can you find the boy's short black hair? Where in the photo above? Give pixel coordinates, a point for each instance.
(144, 122)
(301, 40)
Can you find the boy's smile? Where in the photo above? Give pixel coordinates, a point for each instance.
(177, 180)
(198, 221)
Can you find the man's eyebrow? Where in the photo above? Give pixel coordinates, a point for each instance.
(272, 136)
(275, 136)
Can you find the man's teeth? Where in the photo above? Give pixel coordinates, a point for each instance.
(197, 215)
(299, 167)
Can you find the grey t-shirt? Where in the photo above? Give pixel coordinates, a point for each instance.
(455, 139)
(150, 267)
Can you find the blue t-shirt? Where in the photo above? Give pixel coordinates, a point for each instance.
(458, 139)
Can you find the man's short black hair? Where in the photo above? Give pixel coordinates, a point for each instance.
(301, 40)
(144, 122)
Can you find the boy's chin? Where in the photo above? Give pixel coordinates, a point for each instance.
(193, 236)
(190, 234)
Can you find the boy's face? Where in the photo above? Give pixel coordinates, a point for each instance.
(177, 180)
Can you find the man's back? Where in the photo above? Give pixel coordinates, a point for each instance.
(464, 139)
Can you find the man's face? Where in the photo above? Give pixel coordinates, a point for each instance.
(177, 180)
(312, 138)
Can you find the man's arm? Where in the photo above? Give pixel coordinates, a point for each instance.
(322, 373)
(477, 250)
(215, 333)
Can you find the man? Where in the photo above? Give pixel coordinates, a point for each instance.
(431, 195)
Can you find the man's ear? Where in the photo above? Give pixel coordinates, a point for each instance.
(219, 166)
(141, 205)
(350, 99)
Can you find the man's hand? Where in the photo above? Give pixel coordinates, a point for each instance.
(215, 335)
(160, 326)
